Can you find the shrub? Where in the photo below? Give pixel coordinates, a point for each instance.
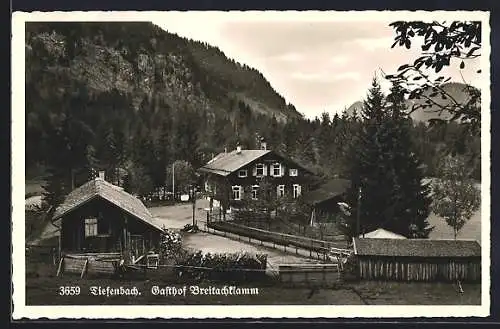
(170, 243)
(225, 267)
(351, 269)
(190, 228)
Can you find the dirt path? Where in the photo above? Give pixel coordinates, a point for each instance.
(175, 217)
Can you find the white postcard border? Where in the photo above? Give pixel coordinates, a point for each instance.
(21, 310)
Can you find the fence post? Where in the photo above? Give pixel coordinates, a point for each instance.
(54, 260)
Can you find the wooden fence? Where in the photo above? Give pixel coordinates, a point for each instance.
(324, 275)
(319, 249)
(82, 264)
(428, 269)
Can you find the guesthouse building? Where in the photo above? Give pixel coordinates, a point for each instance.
(231, 177)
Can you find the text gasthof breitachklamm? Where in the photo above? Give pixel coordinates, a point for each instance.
(201, 291)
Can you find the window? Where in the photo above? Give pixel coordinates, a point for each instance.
(276, 170)
(242, 173)
(294, 172)
(259, 170)
(255, 191)
(237, 192)
(281, 191)
(90, 227)
(296, 190)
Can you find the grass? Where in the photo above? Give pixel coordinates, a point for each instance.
(34, 187)
(42, 288)
(42, 285)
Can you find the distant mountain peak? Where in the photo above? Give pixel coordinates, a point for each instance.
(457, 90)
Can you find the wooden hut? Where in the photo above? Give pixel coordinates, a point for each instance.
(418, 259)
(324, 200)
(100, 221)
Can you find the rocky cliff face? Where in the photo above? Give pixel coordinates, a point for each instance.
(142, 61)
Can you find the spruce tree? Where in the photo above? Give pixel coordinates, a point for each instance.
(411, 196)
(387, 190)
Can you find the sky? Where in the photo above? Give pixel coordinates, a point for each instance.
(316, 62)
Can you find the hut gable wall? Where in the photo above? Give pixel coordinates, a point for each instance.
(110, 227)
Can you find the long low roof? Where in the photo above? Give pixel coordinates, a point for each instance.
(327, 191)
(114, 194)
(416, 248)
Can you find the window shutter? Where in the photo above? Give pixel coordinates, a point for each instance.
(241, 192)
(254, 170)
(299, 190)
(282, 169)
(265, 170)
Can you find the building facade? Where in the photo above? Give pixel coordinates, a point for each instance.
(232, 177)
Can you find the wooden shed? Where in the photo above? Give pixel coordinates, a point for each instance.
(100, 221)
(324, 200)
(418, 259)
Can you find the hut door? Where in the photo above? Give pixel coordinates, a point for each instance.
(137, 246)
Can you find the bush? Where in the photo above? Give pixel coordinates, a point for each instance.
(225, 267)
(190, 228)
(171, 244)
(351, 269)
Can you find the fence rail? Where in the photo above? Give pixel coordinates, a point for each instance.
(322, 249)
(310, 274)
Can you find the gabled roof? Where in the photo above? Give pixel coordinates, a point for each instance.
(383, 234)
(416, 248)
(328, 190)
(114, 194)
(226, 163)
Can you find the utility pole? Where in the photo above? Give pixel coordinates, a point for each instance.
(194, 204)
(173, 181)
(358, 214)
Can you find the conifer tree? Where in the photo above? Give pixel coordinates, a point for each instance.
(411, 195)
(387, 190)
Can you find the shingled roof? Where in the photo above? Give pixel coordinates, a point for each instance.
(114, 194)
(328, 190)
(416, 248)
(226, 163)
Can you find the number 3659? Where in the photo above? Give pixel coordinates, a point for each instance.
(69, 291)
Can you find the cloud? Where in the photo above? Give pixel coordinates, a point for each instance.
(314, 65)
(338, 60)
(288, 57)
(325, 76)
(373, 44)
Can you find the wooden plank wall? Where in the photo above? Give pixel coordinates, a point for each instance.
(310, 274)
(75, 264)
(399, 269)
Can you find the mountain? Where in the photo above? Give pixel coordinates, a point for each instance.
(142, 61)
(133, 96)
(457, 91)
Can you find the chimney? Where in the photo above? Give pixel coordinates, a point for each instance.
(238, 149)
(101, 174)
(263, 146)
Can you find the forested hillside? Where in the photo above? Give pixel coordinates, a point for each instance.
(131, 98)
